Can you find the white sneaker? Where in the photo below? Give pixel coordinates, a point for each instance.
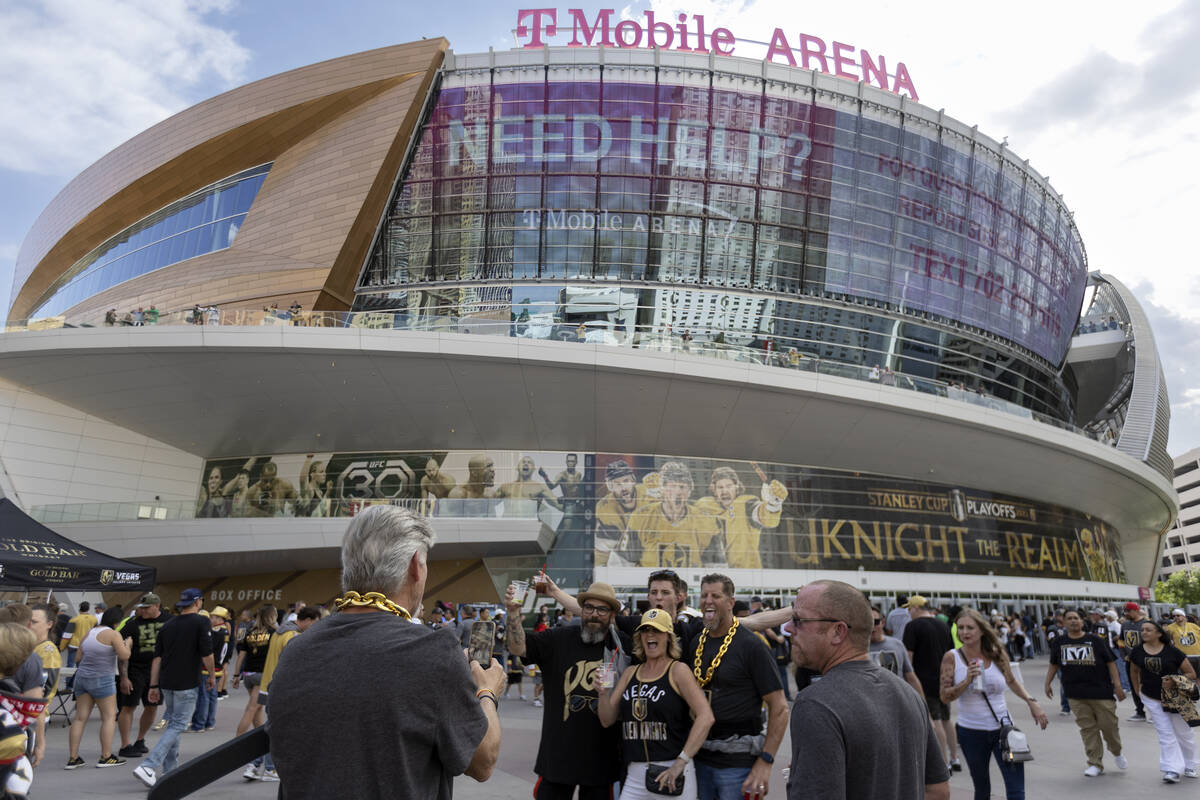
(537, 703)
(1190, 772)
(1170, 777)
(253, 773)
(270, 776)
(147, 776)
(1093, 771)
(1121, 761)
(523, 697)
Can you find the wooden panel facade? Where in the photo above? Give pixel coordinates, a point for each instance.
(336, 132)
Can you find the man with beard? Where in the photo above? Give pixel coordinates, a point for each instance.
(525, 487)
(858, 733)
(738, 674)
(481, 476)
(671, 532)
(575, 749)
(614, 510)
(742, 517)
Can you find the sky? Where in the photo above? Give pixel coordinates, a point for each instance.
(1105, 103)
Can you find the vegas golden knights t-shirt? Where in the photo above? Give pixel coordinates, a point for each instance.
(1154, 667)
(1083, 663)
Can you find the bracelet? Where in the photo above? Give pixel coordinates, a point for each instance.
(491, 697)
(151, 687)
(483, 692)
(683, 754)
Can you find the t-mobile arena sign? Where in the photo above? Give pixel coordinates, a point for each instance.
(536, 25)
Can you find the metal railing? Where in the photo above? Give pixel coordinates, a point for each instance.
(448, 507)
(661, 339)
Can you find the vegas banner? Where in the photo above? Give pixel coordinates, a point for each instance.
(613, 509)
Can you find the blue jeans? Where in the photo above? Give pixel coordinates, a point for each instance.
(785, 678)
(206, 709)
(1062, 695)
(977, 749)
(179, 705)
(720, 783)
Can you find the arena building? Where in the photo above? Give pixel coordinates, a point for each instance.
(608, 309)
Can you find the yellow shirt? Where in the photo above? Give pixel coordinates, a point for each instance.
(612, 521)
(664, 543)
(83, 625)
(1185, 636)
(742, 530)
(51, 664)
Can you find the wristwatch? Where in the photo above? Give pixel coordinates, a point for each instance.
(683, 754)
(767, 757)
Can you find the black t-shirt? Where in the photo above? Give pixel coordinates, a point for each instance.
(1154, 667)
(255, 645)
(746, 675)
(1083, 663)
(144, 633)
(1101, 632)
(182, 643)
(929, 640)
(220, 647)
(1131, 635)
(575, 748)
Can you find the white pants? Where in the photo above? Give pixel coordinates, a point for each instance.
(635, 781)
(1176, 741)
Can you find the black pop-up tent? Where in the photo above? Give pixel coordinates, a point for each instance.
(34, 557)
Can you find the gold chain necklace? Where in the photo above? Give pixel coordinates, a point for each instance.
(716, 662)
(371, 600)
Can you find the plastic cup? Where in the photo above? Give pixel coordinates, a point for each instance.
(605, 676)
(539, 583)
(519, 589)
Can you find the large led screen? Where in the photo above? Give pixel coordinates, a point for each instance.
(612, 509)
(682, 181)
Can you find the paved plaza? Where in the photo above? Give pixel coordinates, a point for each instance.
(1056, 772)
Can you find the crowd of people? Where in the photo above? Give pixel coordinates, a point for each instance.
(675, 700)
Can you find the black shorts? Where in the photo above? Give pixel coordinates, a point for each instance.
(548, 790)
(937, 709)
(140, 678)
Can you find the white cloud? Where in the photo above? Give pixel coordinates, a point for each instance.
(78, 78)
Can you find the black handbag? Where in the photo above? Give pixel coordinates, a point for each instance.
(652, 773)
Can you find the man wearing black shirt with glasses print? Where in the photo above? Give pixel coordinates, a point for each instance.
(569, 657)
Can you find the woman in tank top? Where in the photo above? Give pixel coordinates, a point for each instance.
(1151, 665)
(663, 713)
(978, 729)
(95, 684)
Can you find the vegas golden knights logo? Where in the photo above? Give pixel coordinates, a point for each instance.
(106, 576)
(639, 708)
(958, 505)
(1154, 664)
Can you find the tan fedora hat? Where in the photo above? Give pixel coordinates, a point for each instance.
(602, 592)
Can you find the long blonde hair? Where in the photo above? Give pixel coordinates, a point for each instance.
(989, 640)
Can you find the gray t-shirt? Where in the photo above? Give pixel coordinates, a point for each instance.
(896, 620)
(891, 655)
(861, 733)
(372, 706)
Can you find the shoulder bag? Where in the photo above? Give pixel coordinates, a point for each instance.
(1014, 745)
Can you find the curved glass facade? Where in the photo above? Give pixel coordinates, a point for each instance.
(629, 510)
(202, 222)
(695, 177)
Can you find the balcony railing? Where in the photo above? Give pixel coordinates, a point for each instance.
(449, 507)
(658, 339)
